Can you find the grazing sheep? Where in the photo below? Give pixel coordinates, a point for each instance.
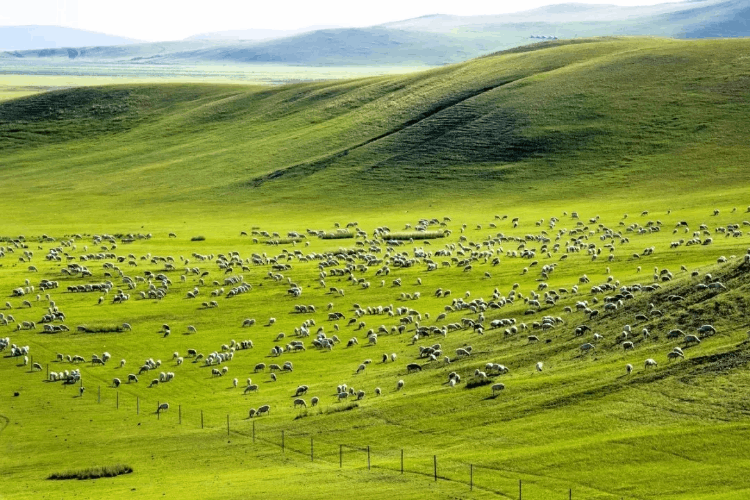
(314, 401)
(497, 387)
(361, 368)
(162, 407)
(260, 367)
(252, 413)
(250, 388)
(539, 366)
(628, 345)
(413, 367)
(116, 382)
(154, 382)
(360, 395)
(649, 362)
(342, 395)
(629, 368)
(36, 366)
(132, 378)
(399, 385)
(235, 382)
(378, 391)
(264, 409)
(300, 402)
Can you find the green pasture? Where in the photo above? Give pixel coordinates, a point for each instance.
(629, 133)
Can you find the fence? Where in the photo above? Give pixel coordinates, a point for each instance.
(474, 476)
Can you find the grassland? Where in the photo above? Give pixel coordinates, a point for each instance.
(605, 128)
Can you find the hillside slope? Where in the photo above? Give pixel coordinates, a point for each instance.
(608, 111)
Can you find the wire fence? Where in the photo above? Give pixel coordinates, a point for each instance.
(313, 448)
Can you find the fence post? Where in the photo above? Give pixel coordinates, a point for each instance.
(158, 413)
(368, 457)
(118, 399)
(434, 465)
(312, 456)
(341, 455)
(570, 494)
(520, 490)
(402, 460)
(253, 431)
(471, 477)
(201, 419)
(283, 450)
(47, 371)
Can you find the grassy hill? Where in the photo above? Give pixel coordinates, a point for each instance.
(637, 136)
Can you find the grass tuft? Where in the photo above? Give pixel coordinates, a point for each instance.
(198, 238)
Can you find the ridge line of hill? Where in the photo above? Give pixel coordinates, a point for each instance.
(317, 165)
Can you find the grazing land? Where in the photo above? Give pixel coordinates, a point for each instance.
(581, 202)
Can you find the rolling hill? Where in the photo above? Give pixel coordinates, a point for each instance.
(428, 40)
(13, 38)
(596, 109)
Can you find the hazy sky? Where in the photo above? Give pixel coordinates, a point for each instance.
(154, 20)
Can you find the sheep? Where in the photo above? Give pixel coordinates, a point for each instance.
(649, 362)
(399, 385)
(378, 391)
(314, 401)
(539, 366)
(300, 402)
(116, 382)
(264, 409)
(250, 388)
(497, 387)
(260, 367)
(628, 345)
(162, 407)
(300, 390)
(154, 382)
(674, 355)
(361, 368)
(629, 368)
(342, 395)
(587, 347)
(707, 330)
(413, 367)
(36, 366)
(252, 413)
(691, 339)
(132, 378)
(235, 382)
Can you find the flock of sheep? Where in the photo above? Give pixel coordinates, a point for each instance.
(356, 269)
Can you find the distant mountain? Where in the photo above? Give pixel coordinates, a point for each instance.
(429, 40)
(257, 34)
(51, 37)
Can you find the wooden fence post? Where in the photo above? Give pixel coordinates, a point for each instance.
(368, 457)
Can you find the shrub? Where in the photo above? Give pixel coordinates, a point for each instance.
(415, 235)
(93, 472)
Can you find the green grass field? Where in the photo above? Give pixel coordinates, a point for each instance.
(609, 129)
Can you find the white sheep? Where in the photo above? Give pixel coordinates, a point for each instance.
(539, 366)
(495, 387)
(399, 385)
(650, 362)
(629, 368)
